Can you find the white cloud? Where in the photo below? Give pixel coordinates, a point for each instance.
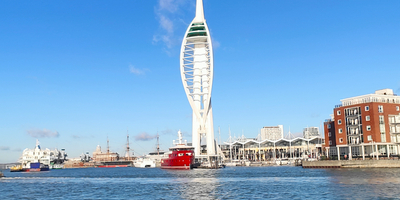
(36, 133)
(145, 136)
(169, 5)
(166, 11)
(215, 44)
(166, 24)
(136, 71)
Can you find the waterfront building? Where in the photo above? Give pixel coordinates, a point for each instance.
(366, 125)
(99, 156)
(256, 149)
(272, 132)
(196, 67)
(310, 132)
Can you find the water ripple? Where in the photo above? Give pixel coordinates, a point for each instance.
(228, 183)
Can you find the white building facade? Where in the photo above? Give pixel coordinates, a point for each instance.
(310, 132)
(272, 132)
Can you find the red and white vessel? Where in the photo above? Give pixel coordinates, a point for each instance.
(180, 156)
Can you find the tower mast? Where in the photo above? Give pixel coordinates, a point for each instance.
(108, 150)
(158, 144)
(127, 154)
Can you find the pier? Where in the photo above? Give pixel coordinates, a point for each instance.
(352, 164)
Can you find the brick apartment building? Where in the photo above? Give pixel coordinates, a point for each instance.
(367, 125)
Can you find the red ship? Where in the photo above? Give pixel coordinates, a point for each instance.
(180, 156)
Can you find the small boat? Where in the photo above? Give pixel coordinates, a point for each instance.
(16, 168)
(144, 162)
(57, 166)
(1, 174)
(180, 156)
(234, 163)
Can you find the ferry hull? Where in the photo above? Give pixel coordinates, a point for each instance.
(30, 170)
(176, 167)
(114, 164)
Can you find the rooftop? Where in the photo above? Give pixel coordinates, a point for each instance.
(383, 96)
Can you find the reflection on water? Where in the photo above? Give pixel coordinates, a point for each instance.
(366, 183)
(228, 183)
(197, 184)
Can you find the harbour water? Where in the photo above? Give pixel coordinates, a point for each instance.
(229, 183)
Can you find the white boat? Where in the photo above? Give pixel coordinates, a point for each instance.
(234, 163)
(44, 156)
(144, 162)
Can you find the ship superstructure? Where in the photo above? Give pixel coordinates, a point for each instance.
(44, 156)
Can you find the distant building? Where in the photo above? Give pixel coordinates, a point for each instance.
(99, 156)
(365, 125)
(272, 132)
(310, 132)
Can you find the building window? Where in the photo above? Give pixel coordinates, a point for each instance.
(369, 138)
(383, 137)
(380, 109)
(330, 142)
(329, 126)
(339, 121)
(397, 108)
(368, 128)
(381, 119)
(366, 108)
(329, 134)
(338, 112)
(341, 140)
(367, 118)
(340, 130)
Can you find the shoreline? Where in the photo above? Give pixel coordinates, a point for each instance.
(352, 164)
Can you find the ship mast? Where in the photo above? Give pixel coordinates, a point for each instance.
(108, 149)
(158, 144)
(127, 154)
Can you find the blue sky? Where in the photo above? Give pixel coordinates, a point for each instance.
(76, 72)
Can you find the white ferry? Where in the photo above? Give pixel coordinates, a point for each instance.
(45, 158)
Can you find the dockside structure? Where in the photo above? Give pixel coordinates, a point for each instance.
(256, 149)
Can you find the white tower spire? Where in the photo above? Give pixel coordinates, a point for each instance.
(199, 11)
(196, 64)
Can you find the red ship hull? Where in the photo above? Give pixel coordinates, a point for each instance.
(179, 159)
(112, 166)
